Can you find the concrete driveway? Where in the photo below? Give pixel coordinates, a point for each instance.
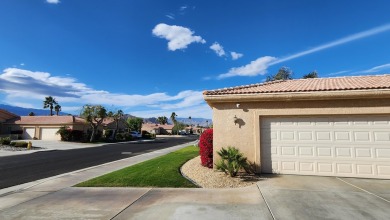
(311, 197)
(274, 197)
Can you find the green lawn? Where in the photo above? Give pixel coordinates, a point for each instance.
(158, 172)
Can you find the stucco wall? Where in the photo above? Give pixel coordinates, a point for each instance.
(245, 135)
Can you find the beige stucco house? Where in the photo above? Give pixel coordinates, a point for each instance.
(158, 129)
(42, 127)
(4, 116)
(325, 126)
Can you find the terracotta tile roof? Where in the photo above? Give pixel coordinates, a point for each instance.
(5, 115)
(309, 85)
(45, 120)
(150, 126)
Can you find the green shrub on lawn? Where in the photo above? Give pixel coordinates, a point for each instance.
(232, 161)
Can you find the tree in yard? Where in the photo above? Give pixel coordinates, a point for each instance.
(57, 108)
(134, 124)
(190, 124)
(162, 120)
(117, 116)
(178, 127)
(49, 102)
(284, 73)
(173, 118)
(94, 115)
(312, 74)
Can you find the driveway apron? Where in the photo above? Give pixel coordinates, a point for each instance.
(313, 197)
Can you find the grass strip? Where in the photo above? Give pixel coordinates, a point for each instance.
(163, 171)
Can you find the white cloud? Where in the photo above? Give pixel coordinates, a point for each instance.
(257, 67)
(338, 42)
(182, 8)
(28, 88)
(170, 16)
(53, 1)
(236, 55)
(218, 49)
(377, 68)
(178, 37)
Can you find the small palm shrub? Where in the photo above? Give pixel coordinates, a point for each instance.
(206, 148)
(232, 161)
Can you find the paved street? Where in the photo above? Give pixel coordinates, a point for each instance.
(24, 168)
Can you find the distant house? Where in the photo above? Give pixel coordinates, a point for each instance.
(157, 128)
(46, 127)
(4, 116)
(42, 127)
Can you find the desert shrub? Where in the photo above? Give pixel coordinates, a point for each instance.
(128, 137)
(232, 161)
(206, 148)
(5, 141)
(77, 135)
(119, 137)
(108, 134)
(68, 134)
(19, 144)
(148, 135)
(65, 132)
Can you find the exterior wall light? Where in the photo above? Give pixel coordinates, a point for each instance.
(238, 105)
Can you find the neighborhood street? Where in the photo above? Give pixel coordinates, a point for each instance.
(25, 168)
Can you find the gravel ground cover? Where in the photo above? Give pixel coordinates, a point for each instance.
(209, 178)
(12, 148)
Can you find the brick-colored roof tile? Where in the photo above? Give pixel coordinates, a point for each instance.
(309, 85)
(45, 120)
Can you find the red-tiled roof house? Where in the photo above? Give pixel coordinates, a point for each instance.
(324, 126)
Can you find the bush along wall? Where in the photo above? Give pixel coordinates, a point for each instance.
(206, 148)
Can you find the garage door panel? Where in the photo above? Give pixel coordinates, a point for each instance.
(28, 133)
(49, 134)
(335, 146)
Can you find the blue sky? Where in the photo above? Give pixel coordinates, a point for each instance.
(150, 58)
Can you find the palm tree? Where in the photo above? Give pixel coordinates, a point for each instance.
(190, 124)
(162, 120)
(49, 103)
(57, 108)
(173, 118)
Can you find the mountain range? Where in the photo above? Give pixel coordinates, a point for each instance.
(45, 112)
(25, 111)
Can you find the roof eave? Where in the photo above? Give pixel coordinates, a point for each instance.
(298, 96)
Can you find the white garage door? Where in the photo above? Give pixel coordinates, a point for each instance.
(28, 133)
(50, 134)
(355, 146)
